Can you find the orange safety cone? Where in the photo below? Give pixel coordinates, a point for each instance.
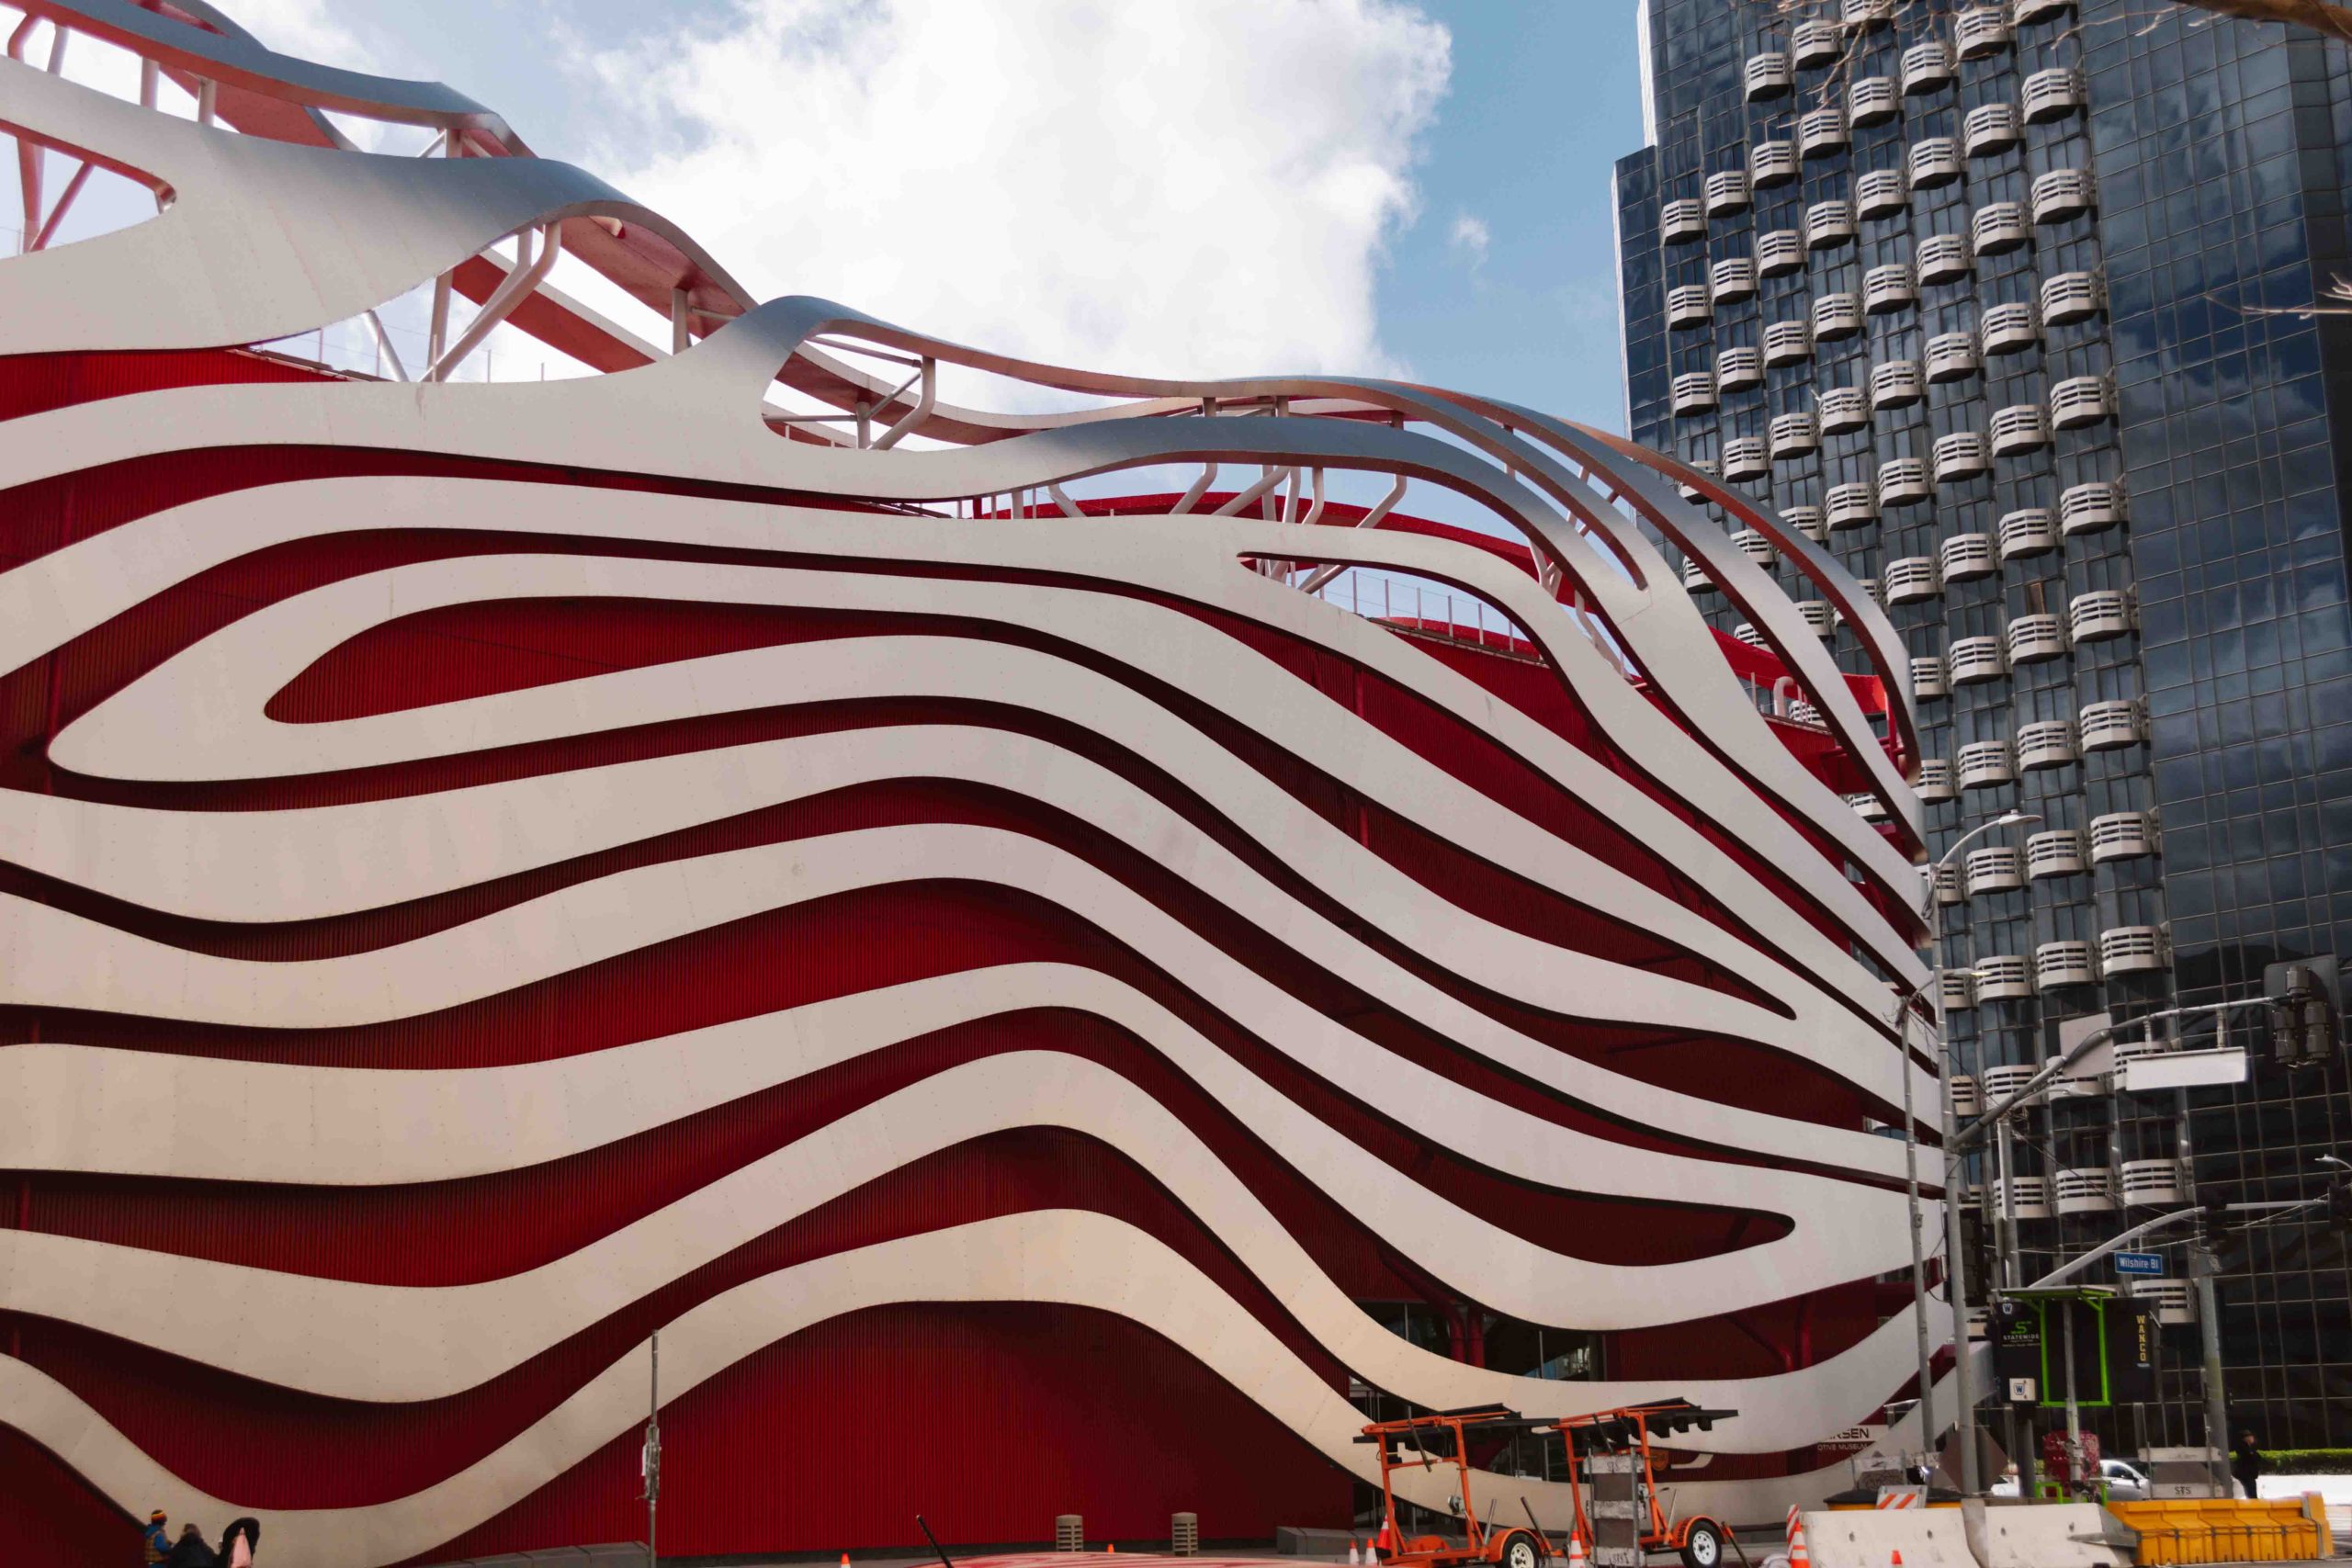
(1575, 1549)
(1353, 1561)
(1898, 1559)
(1798, 1556)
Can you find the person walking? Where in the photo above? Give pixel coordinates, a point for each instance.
(238, 1543)
(2247, 1463)
(190, 1552)
(159, 1539)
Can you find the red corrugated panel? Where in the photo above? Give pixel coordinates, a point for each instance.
(988, 1420)
(44, 516)
(49, 1516)
(490, 1226)
(35, 383)
(271, 1445)
(802, 1446)
(609, 1003)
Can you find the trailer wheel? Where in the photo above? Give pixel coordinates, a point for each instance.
(1519, 1550)
(1704, 1547)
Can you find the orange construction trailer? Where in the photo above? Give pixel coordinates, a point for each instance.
(1443, 1439)
(1629, 1431)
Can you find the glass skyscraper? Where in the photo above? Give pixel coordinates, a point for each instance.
(2009, 306)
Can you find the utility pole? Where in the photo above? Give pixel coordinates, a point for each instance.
(1927, 1427)
(2076, 1481)
(650, 1459)
(1994, 1123)
(1955, 1184)
(2204, 1263)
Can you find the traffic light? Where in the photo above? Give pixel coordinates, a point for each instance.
(2306, 1009)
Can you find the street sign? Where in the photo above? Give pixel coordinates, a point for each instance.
(2115, 1340)
(2183, 1069)
(2151, 1264)
(2132, 1343)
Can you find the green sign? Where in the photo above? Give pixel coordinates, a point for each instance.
(2116, 1346)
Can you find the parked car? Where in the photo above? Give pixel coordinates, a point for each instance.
(2126, 1482)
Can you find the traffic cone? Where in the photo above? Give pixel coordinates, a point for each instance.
(1575, 1549)
(1898, 1559)
(1353, 1561)
(845, 1560)
(1798, 1556)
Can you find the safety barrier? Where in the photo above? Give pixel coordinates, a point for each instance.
(2275, 1529)
(2063, 1535)
(1876, 1538)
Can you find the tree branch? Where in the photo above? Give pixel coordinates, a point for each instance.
(2323, 16)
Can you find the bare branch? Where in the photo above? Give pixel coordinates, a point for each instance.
(2335, 300)
(2323, 16)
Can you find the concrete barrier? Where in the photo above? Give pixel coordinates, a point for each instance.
(1928, 1538)
(2058, 1535)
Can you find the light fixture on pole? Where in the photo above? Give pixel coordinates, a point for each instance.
(1955, 1269)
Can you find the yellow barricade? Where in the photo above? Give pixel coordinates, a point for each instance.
(2275, 1529)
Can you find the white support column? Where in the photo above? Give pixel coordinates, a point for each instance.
(65, 201)
(1197, 489)
(924, 402)
(391, 355)
(1266, 481)
(498, 306)
(438, 336)
(1372, 519)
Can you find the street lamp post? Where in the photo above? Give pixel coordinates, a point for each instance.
(1955, 1265)
(1994, 1122)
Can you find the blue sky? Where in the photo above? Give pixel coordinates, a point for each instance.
(1215, 187)
(690, 105)
(1545, 98)
(1187, 187)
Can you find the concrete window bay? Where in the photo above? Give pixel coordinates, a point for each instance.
(2097, 474)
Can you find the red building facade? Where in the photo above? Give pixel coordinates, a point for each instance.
(1048, 996)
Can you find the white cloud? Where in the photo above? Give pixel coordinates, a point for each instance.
(1197, 188)
(308, 30)
(1469, 236)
